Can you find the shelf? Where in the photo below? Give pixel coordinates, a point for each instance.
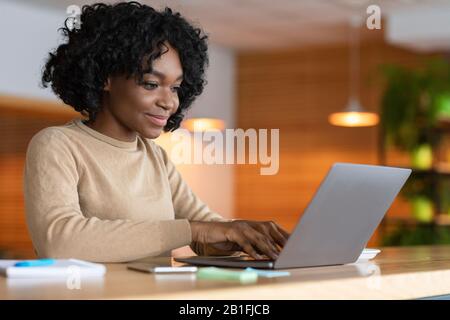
(443, 125)
(443, 169)
(433, 183)
(441, 219)
(440, 168)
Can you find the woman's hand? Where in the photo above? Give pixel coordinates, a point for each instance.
(253, 237)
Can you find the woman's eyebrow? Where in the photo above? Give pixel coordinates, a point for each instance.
(161, 75)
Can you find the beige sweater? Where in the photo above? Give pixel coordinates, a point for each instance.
(93, 197)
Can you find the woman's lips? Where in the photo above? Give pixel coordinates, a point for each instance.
(157, 120)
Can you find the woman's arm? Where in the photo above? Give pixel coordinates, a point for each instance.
(59, 229)
(214, 235)
(188, 206)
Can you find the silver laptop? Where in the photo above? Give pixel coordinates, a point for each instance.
(337, 224)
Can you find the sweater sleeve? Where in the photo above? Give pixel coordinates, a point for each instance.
(57, 225)
(186, 204)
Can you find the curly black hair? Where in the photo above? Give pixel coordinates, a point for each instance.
(115, 39)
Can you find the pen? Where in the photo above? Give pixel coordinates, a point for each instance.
(35, 263)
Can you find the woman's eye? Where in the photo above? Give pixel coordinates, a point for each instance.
(150, 85)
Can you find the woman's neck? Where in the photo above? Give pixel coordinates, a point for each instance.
(107, 124)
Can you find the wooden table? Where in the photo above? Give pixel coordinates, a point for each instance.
(396, 273)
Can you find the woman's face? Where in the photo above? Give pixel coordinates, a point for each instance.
(144, 108)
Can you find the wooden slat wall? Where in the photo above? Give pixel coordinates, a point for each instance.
(295, 91)
(20, 119)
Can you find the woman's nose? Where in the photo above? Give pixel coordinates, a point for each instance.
(166, 100)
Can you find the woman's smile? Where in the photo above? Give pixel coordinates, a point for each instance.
(158, 120)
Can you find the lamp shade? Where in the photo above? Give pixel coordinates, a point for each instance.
(354, 116)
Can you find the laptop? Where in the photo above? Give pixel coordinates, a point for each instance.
(336, 225)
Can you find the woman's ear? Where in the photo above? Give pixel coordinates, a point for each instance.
(107, 86)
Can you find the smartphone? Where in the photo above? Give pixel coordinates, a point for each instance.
(155, 268)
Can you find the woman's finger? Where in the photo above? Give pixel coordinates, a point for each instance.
(270, 229)
(271, 239)
(262, 243)
(267, 228)
(277, 236)
(274, 246)
(246, 245)
(282, 231)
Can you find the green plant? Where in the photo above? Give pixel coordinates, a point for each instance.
(422, 156)
(422, 209)
(443, 101)
(419, 192)
(412, 103)
(445, 196)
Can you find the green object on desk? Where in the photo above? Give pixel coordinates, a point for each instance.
(269, 273)
(214, 273)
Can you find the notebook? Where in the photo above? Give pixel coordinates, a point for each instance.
(61, 268)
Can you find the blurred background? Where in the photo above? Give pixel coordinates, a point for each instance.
(339, 83)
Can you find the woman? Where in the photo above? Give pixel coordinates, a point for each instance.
(100, 189)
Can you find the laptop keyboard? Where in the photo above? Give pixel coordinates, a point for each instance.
(240, 258)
